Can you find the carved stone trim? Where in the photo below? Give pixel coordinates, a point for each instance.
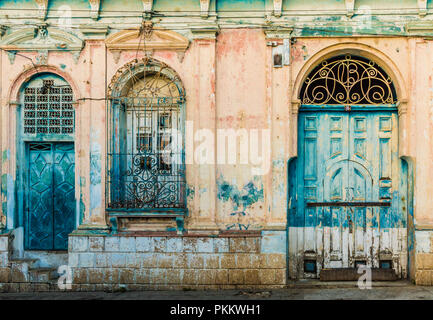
(205, 32)
(3, 30)
(350, 8)
(42, 8)
(422, 8)
(147, 5)
(94, 8)
(92, 31)
(402, 107)
(204, 8)
(41, 38)
(296, 104)
(278, 6)
(159, 40)
(276, 32)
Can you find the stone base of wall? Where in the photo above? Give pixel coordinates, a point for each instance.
(174, 262)
(424, 258)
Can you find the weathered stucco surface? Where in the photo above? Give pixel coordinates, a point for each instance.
(224, 58)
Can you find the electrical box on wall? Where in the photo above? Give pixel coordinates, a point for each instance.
(281, 54)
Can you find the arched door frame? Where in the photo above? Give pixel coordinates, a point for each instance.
(387, 65)
(11, 142)
(356, 49)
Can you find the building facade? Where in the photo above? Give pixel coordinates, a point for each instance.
(214, 144)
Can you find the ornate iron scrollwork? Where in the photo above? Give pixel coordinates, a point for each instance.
(350, 81)
(147, 169)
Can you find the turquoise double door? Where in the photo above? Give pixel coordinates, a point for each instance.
(50, 201)
(346, 190)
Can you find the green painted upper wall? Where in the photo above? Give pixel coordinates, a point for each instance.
(18, 4)
(124, 5)
(306, 17)
(313, 6)
(176, 6)
(240, 5)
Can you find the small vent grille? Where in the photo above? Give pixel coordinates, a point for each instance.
(48, 109)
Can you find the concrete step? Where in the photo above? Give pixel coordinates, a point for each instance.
(351, 274)
(20, 269)
(43, 275)
(30, 262)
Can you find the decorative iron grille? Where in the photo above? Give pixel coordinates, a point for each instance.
(146, 163)
(348, 80)
(48, 109)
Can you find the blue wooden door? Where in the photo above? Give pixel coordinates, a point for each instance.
(348, 190)
(51, 196)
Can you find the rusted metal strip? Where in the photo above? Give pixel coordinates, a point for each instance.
(349, 204)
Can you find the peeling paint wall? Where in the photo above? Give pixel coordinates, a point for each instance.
(231, 84)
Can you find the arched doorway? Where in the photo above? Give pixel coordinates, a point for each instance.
(347, 188)
(46, 162)
(146, 169)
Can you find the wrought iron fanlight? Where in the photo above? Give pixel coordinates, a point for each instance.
(350, 81)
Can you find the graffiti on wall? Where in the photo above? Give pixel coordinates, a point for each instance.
(241, 199)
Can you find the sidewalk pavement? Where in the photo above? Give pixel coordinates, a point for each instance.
(308, 290)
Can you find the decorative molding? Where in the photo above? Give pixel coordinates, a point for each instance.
(350, 8)
(11, 55)
(277, 32)
(3, 30)
(205, 32)
(92, 31)
(116, 55)
(41, 39)
(295, 107)
(422, 8)
(42, 8)
(158, 40)
(204, 8)
(147, 5)
(278, 6)
(402, 107)
(419, 27)
(94, 8)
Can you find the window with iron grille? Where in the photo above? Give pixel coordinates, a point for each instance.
(48, 107)
(146, 158)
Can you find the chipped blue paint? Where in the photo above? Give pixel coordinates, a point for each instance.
(10, 202)
(243, 198)
(274, 242)
(190, 192)
(320, 142)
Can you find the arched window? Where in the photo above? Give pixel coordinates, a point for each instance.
(348, 80)
(48, 106)
(146, 154)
